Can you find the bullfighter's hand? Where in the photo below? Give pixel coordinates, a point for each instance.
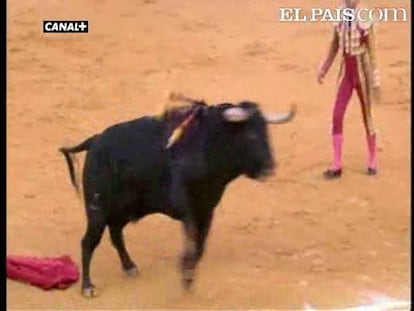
(321, 75)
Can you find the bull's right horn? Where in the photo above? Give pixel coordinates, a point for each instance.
(281, 118)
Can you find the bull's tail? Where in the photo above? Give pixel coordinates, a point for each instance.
(68, 153)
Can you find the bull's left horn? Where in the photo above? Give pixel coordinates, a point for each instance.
(281, 118)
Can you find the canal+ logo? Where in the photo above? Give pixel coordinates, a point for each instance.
(65, 26)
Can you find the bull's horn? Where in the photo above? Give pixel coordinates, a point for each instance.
(236, 114)
(281, 118)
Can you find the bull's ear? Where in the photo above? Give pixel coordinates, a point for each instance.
(236, 114)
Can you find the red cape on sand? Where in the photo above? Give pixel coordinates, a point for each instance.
(46, 273)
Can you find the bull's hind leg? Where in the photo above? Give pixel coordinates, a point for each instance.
(95, 228)
(117, 239)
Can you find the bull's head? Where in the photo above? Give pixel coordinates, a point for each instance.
(240, 133)
(251, 136)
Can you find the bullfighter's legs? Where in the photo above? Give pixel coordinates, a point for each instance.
(117, 238)
(342, 99)
(365, 100)
(95, 228)
(372, 151)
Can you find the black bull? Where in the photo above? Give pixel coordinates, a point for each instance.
(130, 173)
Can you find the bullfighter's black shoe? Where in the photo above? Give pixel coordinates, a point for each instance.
(332, 174)
(371, 171)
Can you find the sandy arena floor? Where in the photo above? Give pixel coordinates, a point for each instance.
(294, 239)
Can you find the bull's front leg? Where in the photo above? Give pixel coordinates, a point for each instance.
(189, 257)
(196, 232)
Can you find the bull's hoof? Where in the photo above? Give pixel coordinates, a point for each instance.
(187, 283)
(131, 272)
(89, 292)
(187, 279)
(371, 171)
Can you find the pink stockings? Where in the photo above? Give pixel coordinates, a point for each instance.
(372, 151)
(337, 141)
